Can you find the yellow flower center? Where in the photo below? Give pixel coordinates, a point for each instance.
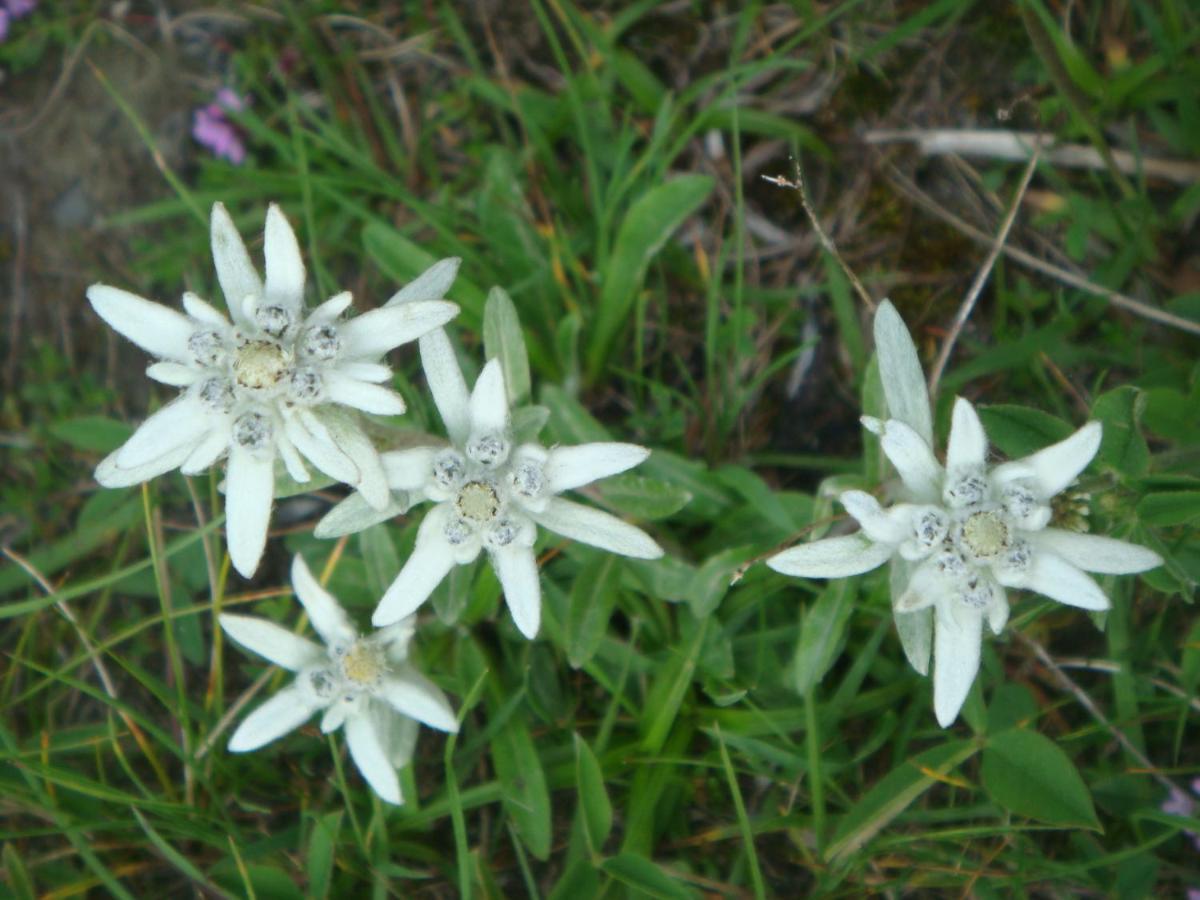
(363, 664)
(477, 501)
(260, 364)
(985, 534)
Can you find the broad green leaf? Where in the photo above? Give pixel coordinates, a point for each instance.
(1011, 706)
(1169, 508)
(96, 433)
(643, 498)
(322, 842)
(525, 797)
(49, 560)
(504, 340)
(1019, 430)
(895, 793)
(591, 604)
(286, 486)
(580, 880)
(643, 875)
(711, 582)
(651, 219)
(527, 423)
(1030, 775)
(1123, 447)
(380, 557)
(822, 634)
(593, 798)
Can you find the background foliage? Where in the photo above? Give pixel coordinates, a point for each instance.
(667, 735)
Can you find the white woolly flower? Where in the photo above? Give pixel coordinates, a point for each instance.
(276, 381)
(491, 495)
(363, 683)
(965, 532)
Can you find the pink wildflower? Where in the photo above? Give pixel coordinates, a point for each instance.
(212, 129)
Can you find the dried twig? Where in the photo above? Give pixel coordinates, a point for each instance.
(1089, 704)
(796, 183)
(914, 193)
(981, 277)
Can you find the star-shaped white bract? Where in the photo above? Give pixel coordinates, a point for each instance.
(491, 495)
(276, 381)
(363, 683)
(964, 532)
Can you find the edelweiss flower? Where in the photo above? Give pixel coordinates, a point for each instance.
(363, 683)
(967, 532)
(274, 382)
(491, 495)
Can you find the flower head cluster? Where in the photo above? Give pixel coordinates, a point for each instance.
(491, 494)
(363, 684)
(963, 532)
(212, 129)
(276, 381)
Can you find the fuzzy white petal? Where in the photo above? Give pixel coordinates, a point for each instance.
(489, 402)
(329, 311)
(572, 467)
(208, 450)
(1051, 575)
(1055, 467)
(173, 374)
(913, 459)
(431, 284)
(900, 371)
(237, 275)
(183, 421)
(516, 567)
(432, 558)
(312, 439)
(272, 642)
(598, 528)
(915, 630)
(371, 482)
(925, 588)
(997, 613)
(354, 514)
(446, 383)
(412, 694)
(111, 475)
(956, 644)
(204, 312)
(324, 612)
(397, 733)
(375, 373)
(374, 333)
(369, 754)
(408, 469)
(835, 557)
(292, 460)
(249, 491)
(155, 328)
(883, 526)
(285, 267)
(288, 709)
(968, 445)
(1095, 553)
(371, 398)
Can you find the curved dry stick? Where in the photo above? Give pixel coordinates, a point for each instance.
(981, 277)
(918, 196)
